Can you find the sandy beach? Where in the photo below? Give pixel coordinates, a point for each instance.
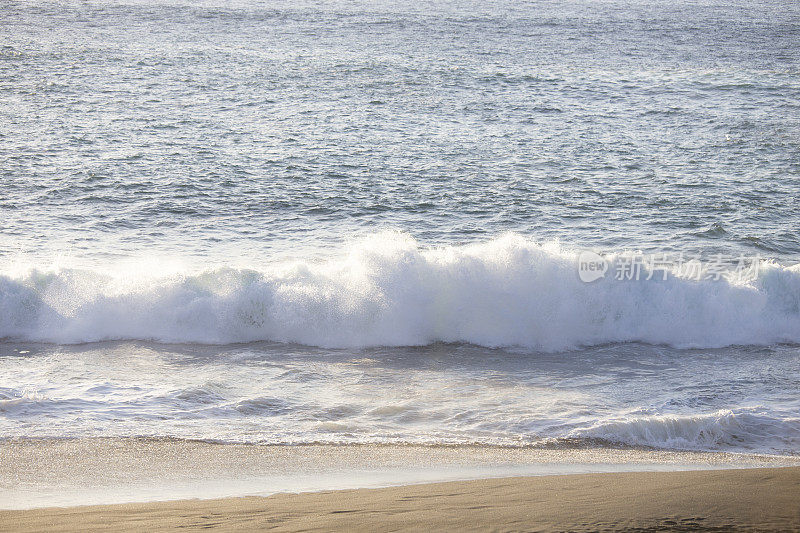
(765, 499)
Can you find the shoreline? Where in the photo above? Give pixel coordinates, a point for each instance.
(697, 500)
(100, 471)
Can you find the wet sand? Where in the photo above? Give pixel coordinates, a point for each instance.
(710, 500)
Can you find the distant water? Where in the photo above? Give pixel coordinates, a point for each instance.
(362, 222)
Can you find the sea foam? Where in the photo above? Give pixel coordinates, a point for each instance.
(388, 290)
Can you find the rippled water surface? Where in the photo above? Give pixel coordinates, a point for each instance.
(255, 126)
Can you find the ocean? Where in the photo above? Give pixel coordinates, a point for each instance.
(529, 224)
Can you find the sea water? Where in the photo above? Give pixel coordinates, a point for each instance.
(363, 222)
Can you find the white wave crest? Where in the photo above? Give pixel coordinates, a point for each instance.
(389, 291)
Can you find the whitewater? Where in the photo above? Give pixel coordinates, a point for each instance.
(389, 341)
(389, 290)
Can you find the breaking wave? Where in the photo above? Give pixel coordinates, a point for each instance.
(725, 430)
(387, 290)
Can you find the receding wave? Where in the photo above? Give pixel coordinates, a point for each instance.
(387, 290)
